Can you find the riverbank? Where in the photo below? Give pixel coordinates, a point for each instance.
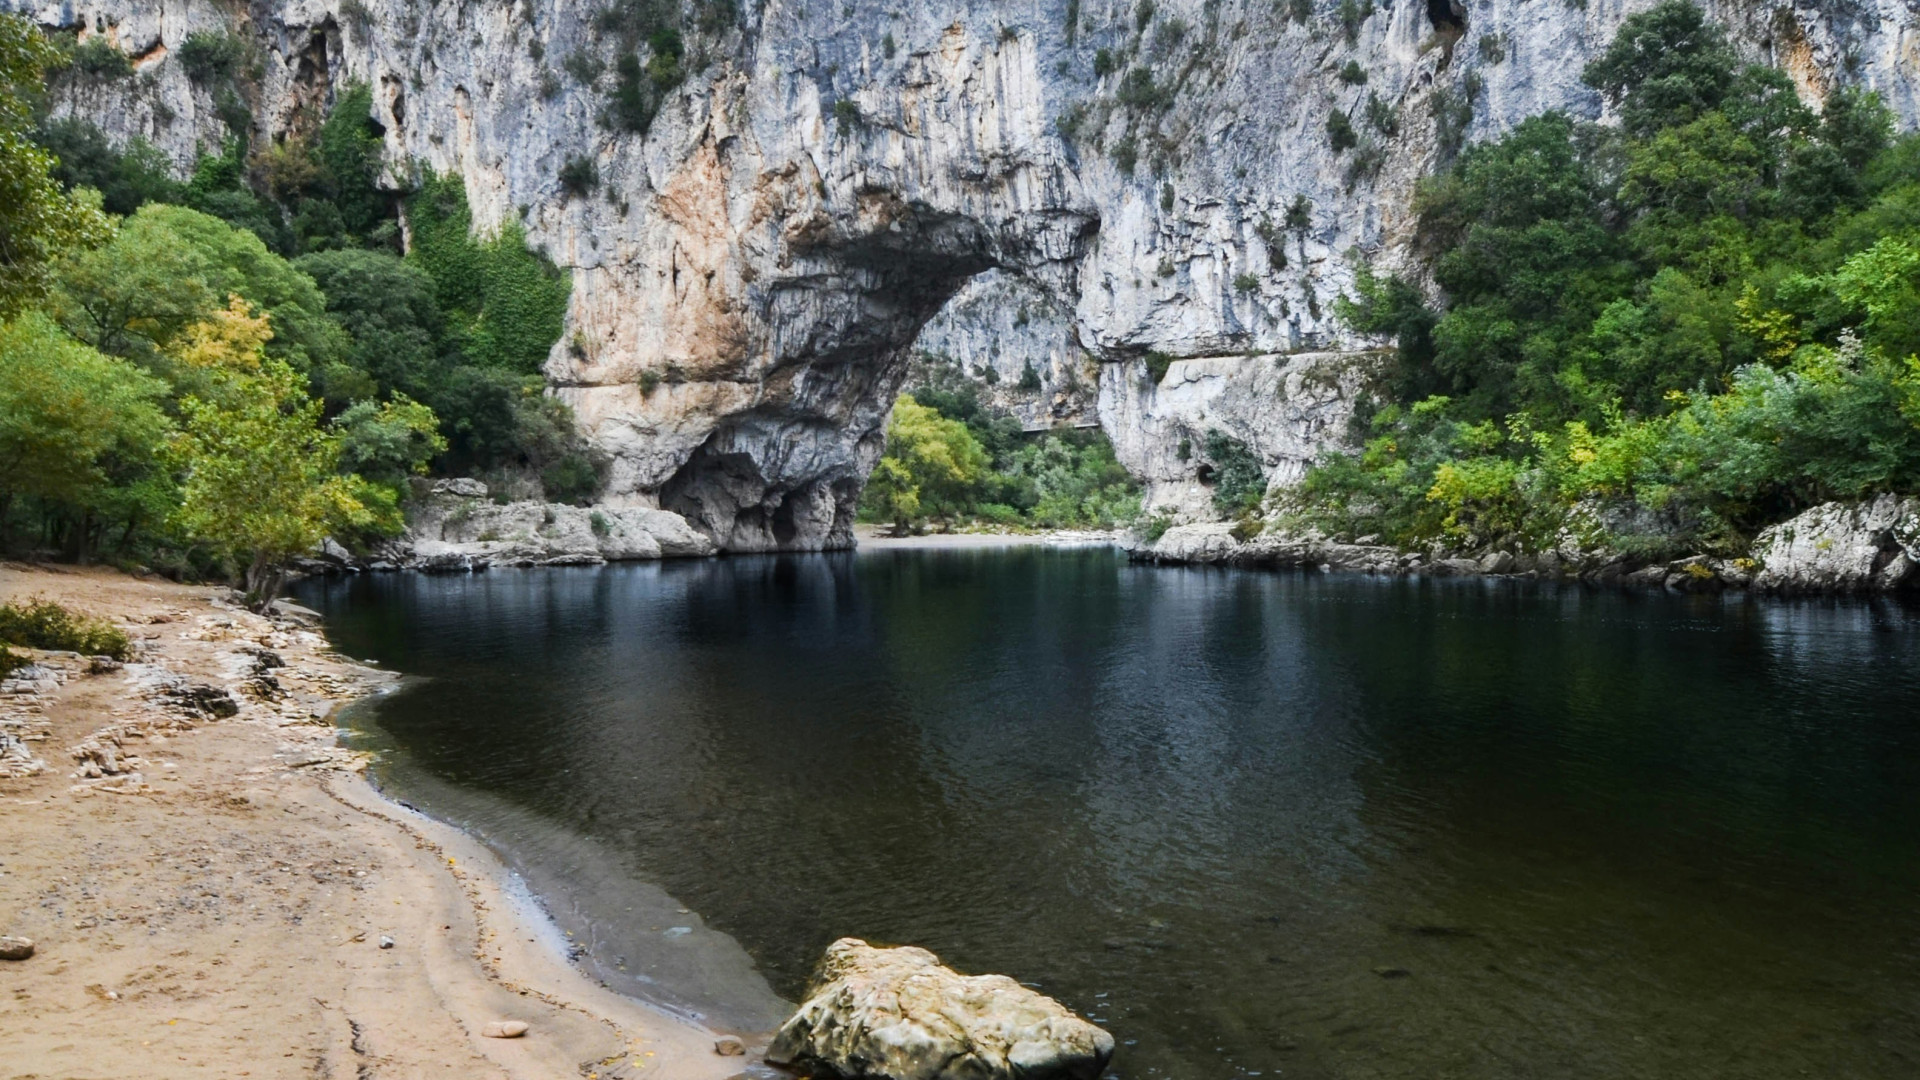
(881, 538)
(1871, 546)
(228, 896)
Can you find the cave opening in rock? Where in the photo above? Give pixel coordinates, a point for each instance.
(787, 474)
(1449, 17)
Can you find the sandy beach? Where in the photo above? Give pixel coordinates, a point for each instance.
(229, 897)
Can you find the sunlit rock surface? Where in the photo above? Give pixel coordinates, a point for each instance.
(897, 1013)
(1843, 546)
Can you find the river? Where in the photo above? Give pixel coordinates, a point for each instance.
(1254, 824)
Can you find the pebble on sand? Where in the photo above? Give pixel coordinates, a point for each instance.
(15, 948)
(504, 1029)
(386, 942)
(728, 1046)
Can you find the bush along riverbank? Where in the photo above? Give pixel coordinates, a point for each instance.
(1866, 546)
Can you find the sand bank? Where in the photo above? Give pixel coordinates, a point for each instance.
(215, 905)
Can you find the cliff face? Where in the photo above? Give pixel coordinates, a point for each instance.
(751, 275)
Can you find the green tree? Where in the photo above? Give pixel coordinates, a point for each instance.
(1664, 67)
(396, 334)
(261, 484)
(127, 177)
(167, 267)
(69, 416)
(386, 442)
(38, 221)
(933, 466)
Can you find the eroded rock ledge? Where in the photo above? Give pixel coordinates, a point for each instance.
(455, 527)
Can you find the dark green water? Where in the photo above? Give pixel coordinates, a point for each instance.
(1255, 824)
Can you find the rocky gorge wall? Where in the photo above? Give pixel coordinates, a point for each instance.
(752, 274)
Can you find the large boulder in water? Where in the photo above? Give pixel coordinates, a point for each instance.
(897, 1013)
(1843, 546)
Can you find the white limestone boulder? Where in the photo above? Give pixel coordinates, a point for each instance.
(897, 1013)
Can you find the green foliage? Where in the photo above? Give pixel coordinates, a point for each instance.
(348, 149)
(220, 62)
(579, 176)
(1103, 62)
(127, 177)
(1029, 378)
(386, 442)
(1493, 48)
(571, 479)
(1340, 133)
(171, 401)
(169, 267)
(262, 483)
(73, 422)
(214, 57)
(846, 114)
(1707, 319)
(1246, 283)
(1157, 365)
(651, 36)
(1352, 15)
(37, 219)
(932, 467)
(1125, 155)
(1664, 68)
(1057, 480)
(1452, 115)
(43, 624)
(505, 305)
(1382, 116)
(99, 60)
(1137, 90)
(1353, 74)
(396, 336)
(1238, 480)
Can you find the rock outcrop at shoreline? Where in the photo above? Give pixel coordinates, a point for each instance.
(1847, 547)
(897, 1013)
(453, 527)
(1871, 546)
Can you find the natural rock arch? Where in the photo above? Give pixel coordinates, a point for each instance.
(753, 345)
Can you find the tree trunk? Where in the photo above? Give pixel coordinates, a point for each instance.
(126, 538)
(263, 582)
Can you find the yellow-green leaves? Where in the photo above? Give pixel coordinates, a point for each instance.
(260, 481)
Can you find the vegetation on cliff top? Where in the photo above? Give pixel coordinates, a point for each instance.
(1663, 334)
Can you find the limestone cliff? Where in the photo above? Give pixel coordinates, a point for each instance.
(752, 272)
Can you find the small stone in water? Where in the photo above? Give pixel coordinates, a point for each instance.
(728, 1046)
(504, 1029)
(15, 948)
(1392, 972)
